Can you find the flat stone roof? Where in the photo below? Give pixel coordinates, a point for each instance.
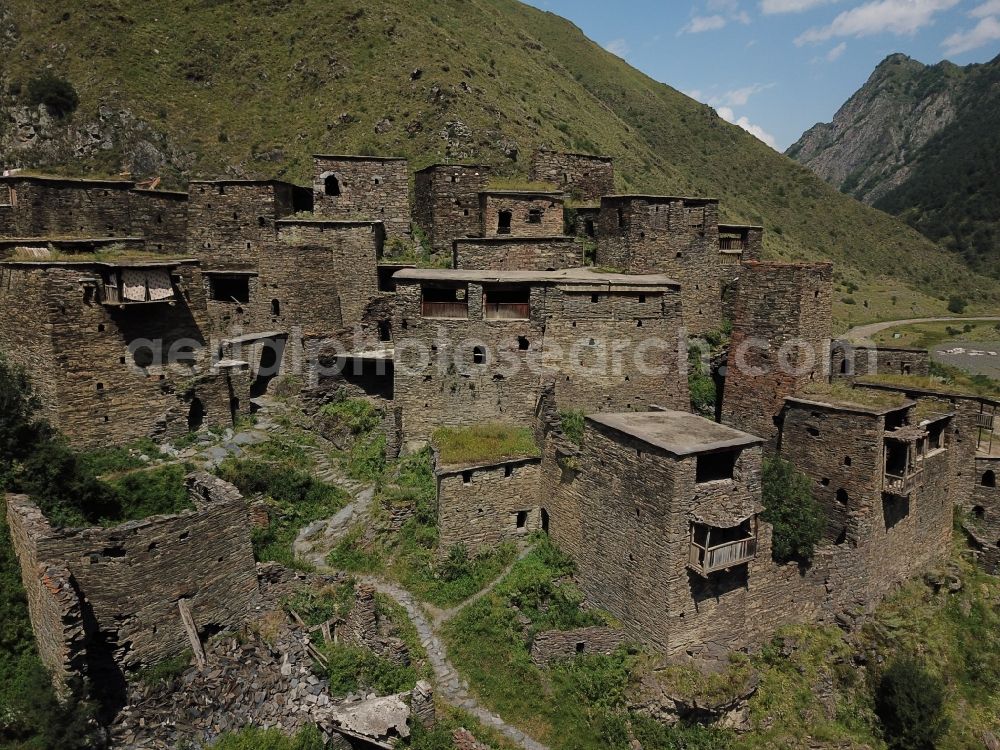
(236, 181)
(329, 222)
(647, 196)
(573, 153)
(500, 239)
(677, 432)
(582, 276)
(856, 407)
(557, 194)
(251, 337)
(442, 165)
(102, 181)
(739, 226)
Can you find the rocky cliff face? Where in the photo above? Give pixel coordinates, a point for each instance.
(867, 150)
(921, 142)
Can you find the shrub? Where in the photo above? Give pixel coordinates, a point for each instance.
(252, 738)
(351, 669)
(356, 414)
(910, 703)
(57, 94)
(790, 507)
(957, 304)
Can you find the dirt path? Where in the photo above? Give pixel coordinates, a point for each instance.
(870, 329)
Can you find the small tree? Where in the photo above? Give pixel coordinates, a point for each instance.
(909, 701)
(790, 508)
(957, 304)
(57, 94)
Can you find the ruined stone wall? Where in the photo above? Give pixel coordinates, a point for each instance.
(370, 189)
(583, 176)
(93, 387)
(675, 236)
(631, 540)
(446, 201)
(780, 341)
(323, 274)
(130, 577)
(522, 207)
(505, 253)
(69, 207)
(847, 360)
(982, 512)
(231, 224)
(479, 506)
(842, 451)
(161, 218)
(550, 645)
(583, 222)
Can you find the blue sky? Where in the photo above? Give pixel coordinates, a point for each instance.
(776, 67)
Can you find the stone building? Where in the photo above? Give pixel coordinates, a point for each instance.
(106, 600)
(446, 201)
(513, 253)
(661, 511)
(584, 177)
(674, 236)
(527, 213)
(33, 206)
(116, 350)
(982, 519)
(780, 342)
(480, 346)
(480, 505)
(849, 360)
(363, 188)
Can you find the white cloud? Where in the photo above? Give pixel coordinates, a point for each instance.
(699, 24)
(738, 97)
(893, 16)
(728, 115)
(989, 8)
(771, 7)
(986, 31)
(617, 47)
(834, 54)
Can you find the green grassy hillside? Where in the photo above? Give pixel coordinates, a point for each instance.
(253, 87)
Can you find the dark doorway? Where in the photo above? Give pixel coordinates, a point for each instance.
(270, 365)
(196, 414)
(503, 222)
(331, 185)
(588, 227)
(545, 521)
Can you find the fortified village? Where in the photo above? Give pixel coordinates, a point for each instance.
(141, 313)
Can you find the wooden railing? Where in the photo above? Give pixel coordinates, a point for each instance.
(984, 420)
(730, 259)
(722, 556)
(732, 243)
(445, 309)
(507, 310)
(902, 484)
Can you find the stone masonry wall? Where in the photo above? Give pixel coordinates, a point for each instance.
(131, 577)
(548, 208)
(847, 360)
(983, 512)
(479, 506)
(517, 253)
(78, 354)
(161, 218)
(446, 201)
(550, 645)
(324, 274)
(232, 223)
(780, 341)
(61, 207)
(678, 237)
(583, 176)
(370, 189)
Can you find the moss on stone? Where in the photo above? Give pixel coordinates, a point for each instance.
(483, 444)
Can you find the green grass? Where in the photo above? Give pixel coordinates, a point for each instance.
(153, 492)
(166, 670)
(483, 443)
(209, 95)
(927, 335)
(252, 738)
(572, 423)
(942, 378)
(119, 458)
(840, 393)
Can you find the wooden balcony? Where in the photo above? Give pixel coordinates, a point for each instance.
(732, 244)
(507, 311)
(902, 485)
(707, 560)
(452, 310)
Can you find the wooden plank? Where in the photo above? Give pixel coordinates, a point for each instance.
(187, 619)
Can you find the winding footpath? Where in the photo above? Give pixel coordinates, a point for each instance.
(314, 543)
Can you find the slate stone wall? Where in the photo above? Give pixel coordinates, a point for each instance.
(161, 218)
(129, 578)
(446, 201)
(478, 506)
(549, 208)
(847, 361)
(370, 189)
(780, 341)
(62, 207)
(506, 253)
(583, 176)
(550, 645)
